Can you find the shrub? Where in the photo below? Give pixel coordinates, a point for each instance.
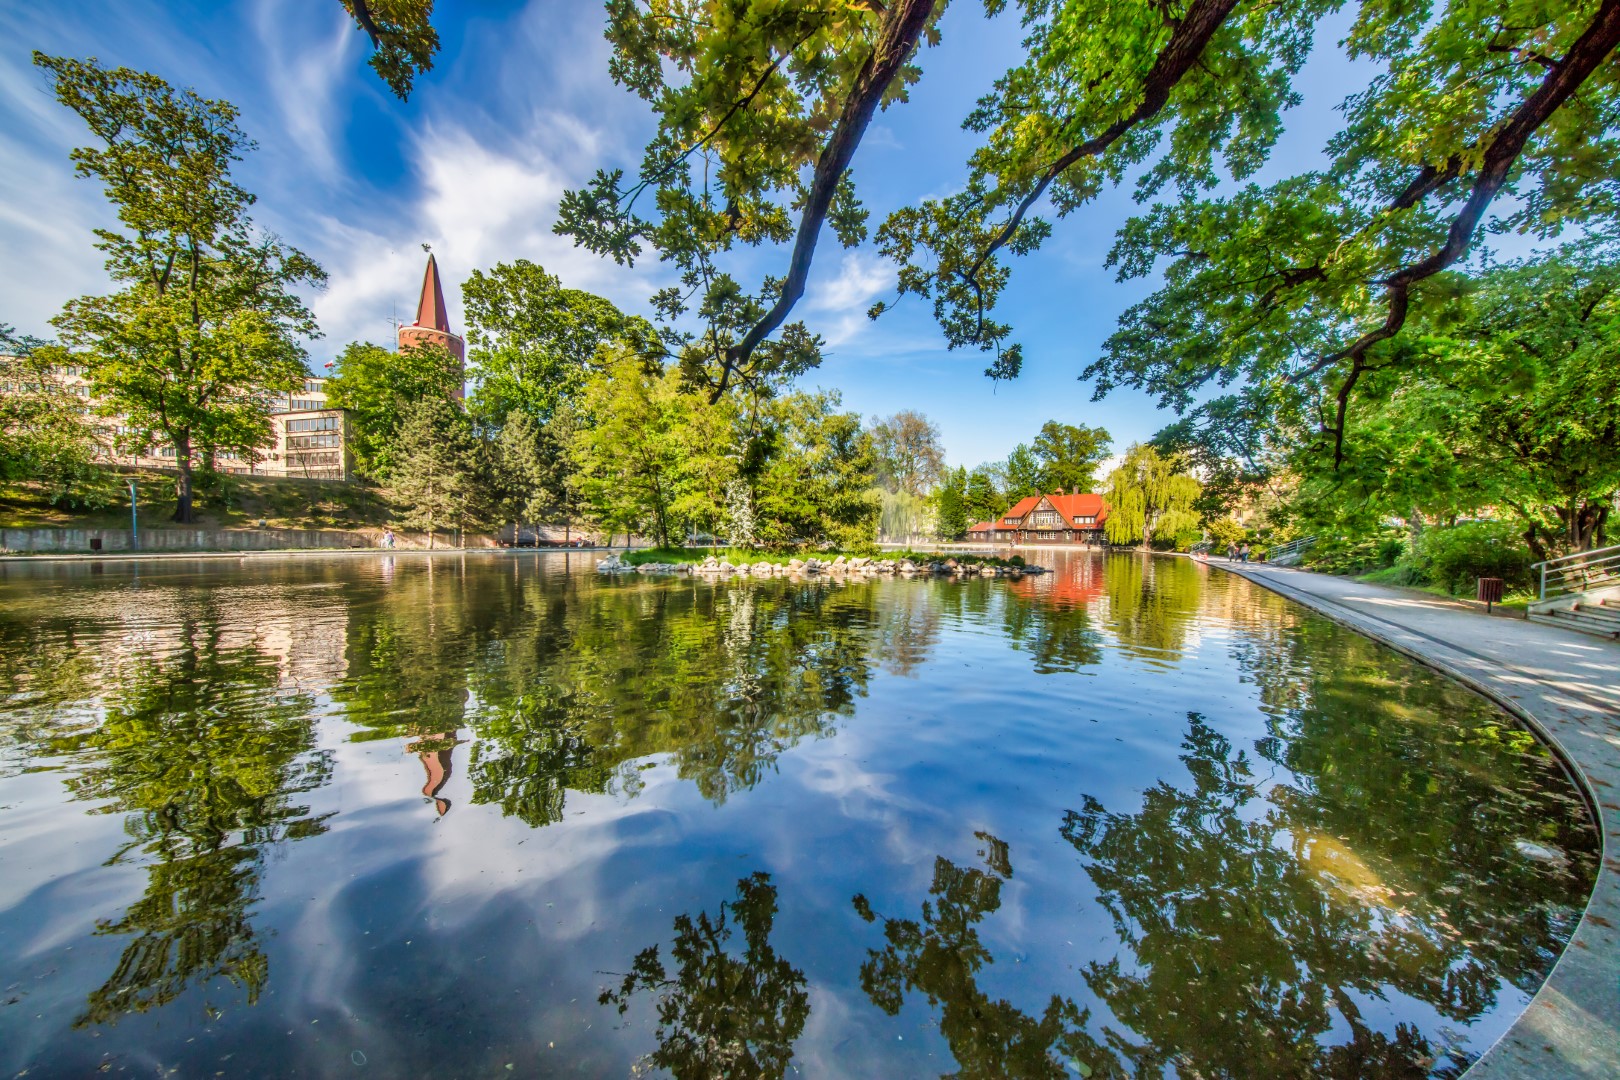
(1353, 556)
(1454, 557)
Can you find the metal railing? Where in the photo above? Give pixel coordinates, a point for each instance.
(1579, 572)
(1289, 549)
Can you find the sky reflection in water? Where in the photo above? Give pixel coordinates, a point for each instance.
(441, 817)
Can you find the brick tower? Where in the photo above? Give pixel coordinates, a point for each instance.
(432, 325)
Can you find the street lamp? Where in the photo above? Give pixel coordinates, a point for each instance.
(134, 519)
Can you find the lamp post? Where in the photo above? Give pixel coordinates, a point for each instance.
(134, 519)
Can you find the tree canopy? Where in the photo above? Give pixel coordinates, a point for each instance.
(533, 340)
(205, 327)
(379, 386)
(910, 457)
(1504, 401)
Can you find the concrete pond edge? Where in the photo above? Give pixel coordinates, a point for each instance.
(1571, 1026)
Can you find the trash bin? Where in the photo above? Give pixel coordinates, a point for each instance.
(95, 543)
(1489, 591)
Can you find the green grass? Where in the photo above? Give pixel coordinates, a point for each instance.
(241, 503)
(1396, 577)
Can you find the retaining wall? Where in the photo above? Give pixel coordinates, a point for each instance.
(77, 541)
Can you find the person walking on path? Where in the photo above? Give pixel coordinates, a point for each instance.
(388, 539)
(1243, 553)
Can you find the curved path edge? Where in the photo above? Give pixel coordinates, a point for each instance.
(1566, 688)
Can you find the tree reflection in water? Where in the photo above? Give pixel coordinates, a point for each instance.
(721, 1013)
(940, 956)
(721, 680)
(205, 754)
(1257, 941)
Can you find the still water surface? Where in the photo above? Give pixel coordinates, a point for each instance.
(494, 815)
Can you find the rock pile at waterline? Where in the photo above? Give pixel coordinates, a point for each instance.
(837, 567)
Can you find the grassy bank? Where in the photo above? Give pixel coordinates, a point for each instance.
(1399, 577)
(242, 502)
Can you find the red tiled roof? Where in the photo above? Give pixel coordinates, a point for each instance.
(983, 526)
(1069, 506)
(1083, 504)
(1023, 506)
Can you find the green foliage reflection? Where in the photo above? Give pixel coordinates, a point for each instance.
(721, 1013)
(939, 955)
(1256, 936)
(205, 755)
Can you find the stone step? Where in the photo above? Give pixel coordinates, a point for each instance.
(1601, 614)
(1574, 620)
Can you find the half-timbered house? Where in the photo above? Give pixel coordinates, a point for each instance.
(1047, 519)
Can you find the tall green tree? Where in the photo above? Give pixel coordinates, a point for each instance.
(205, 327)
(1505, 404)
(1023, 474)
(983, 496)
(1069, 455)
(816, 482)
(950, 505)
(532, 341)
(627, 451)
(910, 458)
(440, 476)
(379, 387)
(1149, 498)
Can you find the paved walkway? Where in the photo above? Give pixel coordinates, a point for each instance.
(1565, 685)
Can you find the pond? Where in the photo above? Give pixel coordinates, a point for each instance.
(494, 815)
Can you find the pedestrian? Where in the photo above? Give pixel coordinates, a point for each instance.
(1231, 553)
(1243, 553)
(388, 539)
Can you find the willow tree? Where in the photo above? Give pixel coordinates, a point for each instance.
(205, 326)
(1149, 498)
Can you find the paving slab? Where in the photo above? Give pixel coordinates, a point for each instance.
(1566, 687)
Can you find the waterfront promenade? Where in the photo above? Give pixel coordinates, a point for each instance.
(1566, 686)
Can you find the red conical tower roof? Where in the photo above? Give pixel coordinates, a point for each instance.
(430, 309)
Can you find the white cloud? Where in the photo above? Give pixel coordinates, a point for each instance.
(303, 77)
(836, 305)
(476, 205)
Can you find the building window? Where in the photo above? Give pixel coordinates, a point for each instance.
(1046, 519)
(316, 423)
(300, 442)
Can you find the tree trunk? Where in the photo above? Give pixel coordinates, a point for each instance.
(182, 461)
(1532, 540)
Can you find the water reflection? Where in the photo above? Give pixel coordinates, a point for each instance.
(721, 681)
(1350, 868)
(939, 955)
(1233, 895)
(205, 754)
(721, 1012)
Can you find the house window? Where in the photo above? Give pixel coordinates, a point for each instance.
(1046, 519)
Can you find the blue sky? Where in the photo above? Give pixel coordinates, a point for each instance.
(519, 108)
